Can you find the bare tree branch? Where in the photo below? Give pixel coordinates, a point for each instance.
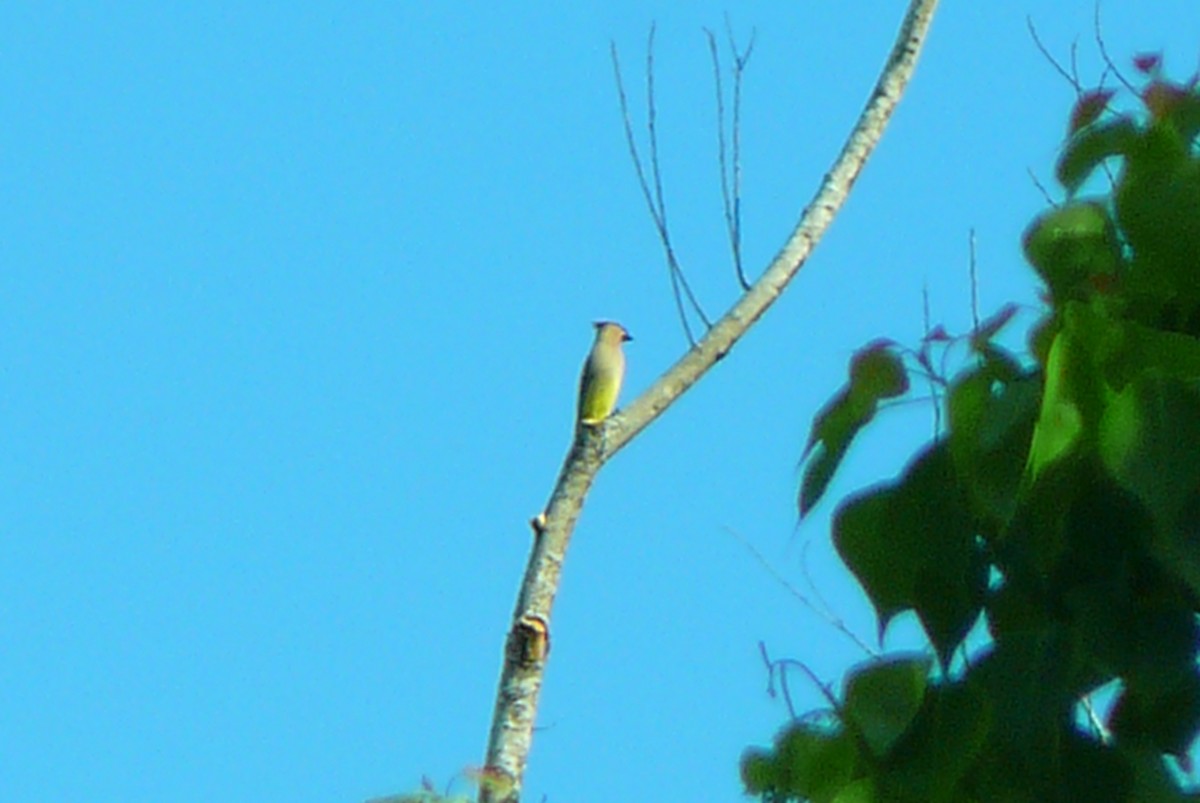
(722, 156)
(652, 188)
(1104, 53)
(678, 280)
(973, 268)
(823, 610)
(1042, 189)
(740, 59)
(816, 218)
(780, 666)
(1070, 76)
(731, 189)
(528, 641)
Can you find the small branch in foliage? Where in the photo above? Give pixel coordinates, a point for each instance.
(1098, 727)
(781, 667)
(772, 669)
(923, 359)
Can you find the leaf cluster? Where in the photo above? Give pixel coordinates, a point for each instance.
(1060, 506)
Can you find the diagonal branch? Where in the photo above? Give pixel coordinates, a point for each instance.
(817, 216)
(528, 643)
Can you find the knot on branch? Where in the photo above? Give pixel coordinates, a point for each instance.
(529, 641)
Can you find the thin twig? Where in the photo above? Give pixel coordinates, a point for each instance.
(652, 128)
(1070, 77)
(644, 184)
(780, 667)
(739, 67)
(731, 191)
(1109, 67)
(933, 390)
(655, 198)
(630, 141)
(825, 614)
(974, 277)
(678, 279)
(812, 585)
(783, 684)
(1104, 52)
(723, 158)
(1098, 727)
(1041, 188)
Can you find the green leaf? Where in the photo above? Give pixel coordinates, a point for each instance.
(1100, 582)
(991, 426)
(1034, 679)
(813, 762)
(876, 373)
(1091, 146)
(1156, 202)
(1071, 246)
(1088, 109)
(1132, 350)
(943, 745)
(1185, 114)
(992, 325)
(1011, 612)
(1041, 337)
(1060, 423)
(1166, 718)
(911, 544)
(1152, 781)
(883, 698)
(758, 771)
(1150, 442)
(1001, 365)
(1088, 771)
(1176, 106)
(860, 791)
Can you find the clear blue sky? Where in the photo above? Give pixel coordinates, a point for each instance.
(293, 299)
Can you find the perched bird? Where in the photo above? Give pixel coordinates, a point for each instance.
(603, 372)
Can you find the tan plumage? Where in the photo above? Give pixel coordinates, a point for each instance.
(603, 372)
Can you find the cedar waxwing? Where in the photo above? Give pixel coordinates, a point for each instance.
(603, 372)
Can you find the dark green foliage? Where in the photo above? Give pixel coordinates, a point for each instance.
(885, 537)
(808, 762)
(1092, 145)
(876, 374)
(992, 409)
(1074, 249)
(1062, 503)
(882, 700)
